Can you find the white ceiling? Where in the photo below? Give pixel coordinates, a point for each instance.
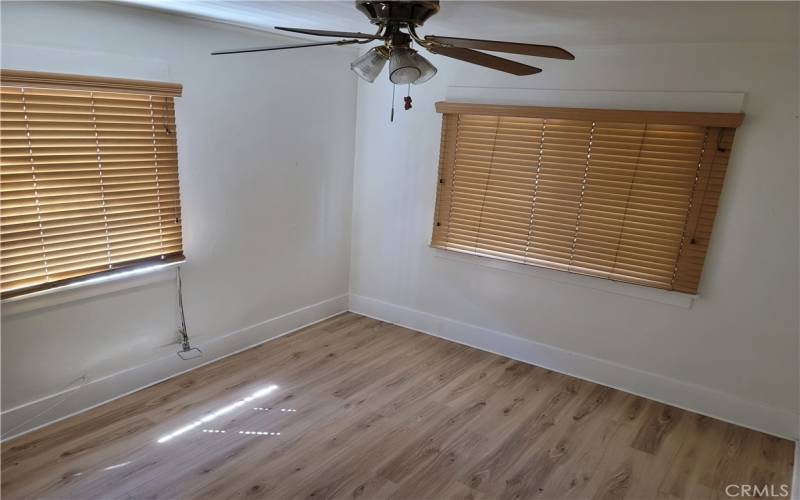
(568, 23)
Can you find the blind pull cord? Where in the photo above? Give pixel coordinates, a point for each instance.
(187, 352)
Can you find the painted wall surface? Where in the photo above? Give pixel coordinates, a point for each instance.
(266, 148)
(741, 335)
(266, 159)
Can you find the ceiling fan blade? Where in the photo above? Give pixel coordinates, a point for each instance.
(343, 34)
(487, 60)
(281, 47)
(528, 49)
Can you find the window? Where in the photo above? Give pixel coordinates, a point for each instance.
(624, 195)
(88, 178)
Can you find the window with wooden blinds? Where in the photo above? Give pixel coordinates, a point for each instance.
(88, 178)
(624, 195)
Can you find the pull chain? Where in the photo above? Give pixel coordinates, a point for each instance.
(407, 99)
(391, 116)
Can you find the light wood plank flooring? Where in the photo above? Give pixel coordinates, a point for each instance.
(354, 407)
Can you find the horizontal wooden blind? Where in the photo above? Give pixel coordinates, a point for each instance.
(623, 195)
(88, 182)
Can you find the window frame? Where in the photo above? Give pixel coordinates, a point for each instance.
(720, 128)
(133, 270)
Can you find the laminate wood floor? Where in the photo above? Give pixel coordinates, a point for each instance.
(354, 407)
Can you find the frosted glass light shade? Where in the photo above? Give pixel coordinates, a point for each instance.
(369, 65)
(426, 69)
(402, 67)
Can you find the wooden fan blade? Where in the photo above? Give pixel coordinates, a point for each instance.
(487, 60)
(342, 34)
(528, 49)
(281, 47)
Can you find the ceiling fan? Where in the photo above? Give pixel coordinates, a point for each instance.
(406, 66)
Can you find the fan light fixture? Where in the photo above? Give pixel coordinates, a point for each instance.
(370, 65)
(405, 65)
(402, 68)
(426, 69)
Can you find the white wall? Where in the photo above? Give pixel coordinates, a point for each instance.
(739, 341)
(266, 158)
(282, 239)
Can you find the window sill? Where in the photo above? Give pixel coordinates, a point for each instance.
(87, 289)
(677, 299)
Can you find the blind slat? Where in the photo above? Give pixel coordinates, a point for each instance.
(630, 200)
(88, 184)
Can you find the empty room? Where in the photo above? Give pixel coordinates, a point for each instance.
(410, 250)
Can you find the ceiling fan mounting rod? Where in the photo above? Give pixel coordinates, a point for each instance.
(394, 38)
(408, 13)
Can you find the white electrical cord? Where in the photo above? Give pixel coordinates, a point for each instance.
(187, 352)
(182, 317)
(83, 381)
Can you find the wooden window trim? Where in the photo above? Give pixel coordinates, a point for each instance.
(35, 79)
(703, 202)
(724, 120)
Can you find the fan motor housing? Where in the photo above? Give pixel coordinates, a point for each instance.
(397, 12)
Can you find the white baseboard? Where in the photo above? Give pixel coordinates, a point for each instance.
(696, 398)
(685, 395)
(100, 391)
